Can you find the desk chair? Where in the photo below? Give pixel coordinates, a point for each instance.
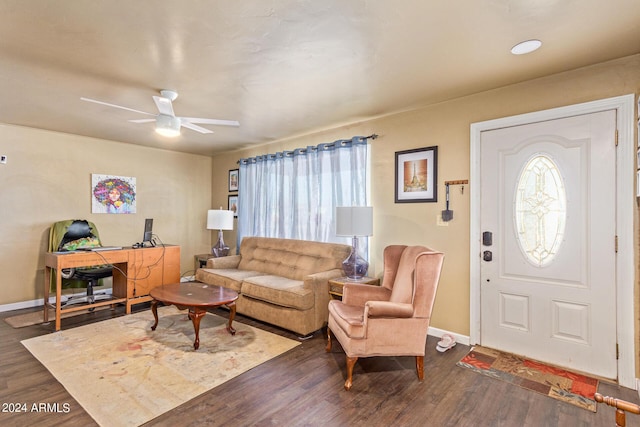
(67, 236)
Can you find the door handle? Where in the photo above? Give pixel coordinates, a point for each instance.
(487, 256)
(487, 238)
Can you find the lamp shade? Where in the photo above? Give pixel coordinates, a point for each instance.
(354, 220)
(219, 219)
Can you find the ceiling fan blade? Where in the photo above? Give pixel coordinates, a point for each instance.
(195, 127)
(116, 106)
(142, 120)
(211, 121)
(164, 105)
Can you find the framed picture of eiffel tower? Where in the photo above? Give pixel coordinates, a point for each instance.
(417, 175)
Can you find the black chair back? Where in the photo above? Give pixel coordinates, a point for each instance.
(78, 229)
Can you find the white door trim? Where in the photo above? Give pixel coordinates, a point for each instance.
(625, 202)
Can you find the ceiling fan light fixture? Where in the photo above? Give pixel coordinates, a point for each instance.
(167, 125)
(527, 46)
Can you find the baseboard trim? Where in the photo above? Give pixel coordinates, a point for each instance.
(38, 302)
(462, 339)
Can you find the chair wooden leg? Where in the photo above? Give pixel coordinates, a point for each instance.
(351, 362)
(328, 348)
(420, 367)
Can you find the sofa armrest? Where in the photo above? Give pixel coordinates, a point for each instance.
(231, 261)
(319, 282)
(319, 285)
(322, 277)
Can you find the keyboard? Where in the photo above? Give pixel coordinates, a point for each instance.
(101, 248)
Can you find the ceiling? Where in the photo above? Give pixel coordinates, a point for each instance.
(282, 68)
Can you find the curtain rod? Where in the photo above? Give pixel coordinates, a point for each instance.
(327, 145)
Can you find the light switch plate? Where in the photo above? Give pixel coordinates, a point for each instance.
(440, 222)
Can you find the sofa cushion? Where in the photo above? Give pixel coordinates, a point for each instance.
(279, 290)
(293, 259)
(230, 278)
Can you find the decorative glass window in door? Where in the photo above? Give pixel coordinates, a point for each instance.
(540, 210)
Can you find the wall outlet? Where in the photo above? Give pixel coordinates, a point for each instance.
(440, 222)
(3, 159)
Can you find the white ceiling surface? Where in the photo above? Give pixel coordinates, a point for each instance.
(282, 68)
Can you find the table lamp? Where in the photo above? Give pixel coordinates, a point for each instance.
(220, 220)
(354, 221)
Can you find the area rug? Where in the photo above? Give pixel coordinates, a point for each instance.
(124, 374)
(554, 382)
(35, 317)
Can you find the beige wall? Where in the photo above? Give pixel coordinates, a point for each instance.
(447, 126)
(48, 178)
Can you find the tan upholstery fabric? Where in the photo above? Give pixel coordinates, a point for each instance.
(289, 258)
(230, 261)
(279, 290)
(231, 278)
(280, 281)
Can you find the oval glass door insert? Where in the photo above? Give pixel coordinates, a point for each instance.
(540, 210)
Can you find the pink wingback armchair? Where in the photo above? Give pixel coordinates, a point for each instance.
(392, 319)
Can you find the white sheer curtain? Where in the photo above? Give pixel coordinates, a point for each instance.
(293, 194)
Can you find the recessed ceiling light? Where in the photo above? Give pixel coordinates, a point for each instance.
(526, 47)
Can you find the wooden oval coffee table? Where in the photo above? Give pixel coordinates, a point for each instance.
(197, 297)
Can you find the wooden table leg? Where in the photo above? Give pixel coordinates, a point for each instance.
(232, 315)
(154, 310)
(196, 314)
(58, 297)
(47, 285)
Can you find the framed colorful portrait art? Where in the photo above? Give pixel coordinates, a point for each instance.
(113, 194)
(416, 177)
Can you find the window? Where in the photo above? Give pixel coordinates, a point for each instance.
(293, 194)
(540, 210)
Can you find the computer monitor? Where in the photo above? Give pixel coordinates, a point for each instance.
(148, 232)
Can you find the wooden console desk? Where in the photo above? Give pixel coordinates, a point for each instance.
(135, 273)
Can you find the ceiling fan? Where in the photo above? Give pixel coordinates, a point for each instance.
(167, 123)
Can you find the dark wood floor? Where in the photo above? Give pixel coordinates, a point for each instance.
(304, 387)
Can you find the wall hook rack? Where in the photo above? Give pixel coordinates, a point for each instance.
(461, 182)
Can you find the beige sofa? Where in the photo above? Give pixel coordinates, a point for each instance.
(280, 281)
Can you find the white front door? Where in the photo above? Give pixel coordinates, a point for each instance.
(548, 218)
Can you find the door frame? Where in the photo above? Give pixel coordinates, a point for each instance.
(625, 198)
